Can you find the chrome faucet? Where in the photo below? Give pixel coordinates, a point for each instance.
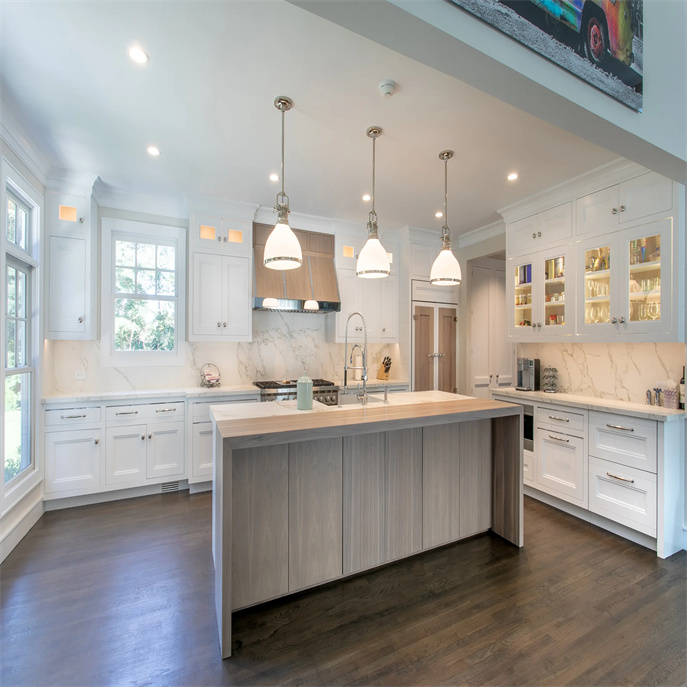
(348, 362)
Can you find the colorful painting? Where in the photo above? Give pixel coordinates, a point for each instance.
(600, 41)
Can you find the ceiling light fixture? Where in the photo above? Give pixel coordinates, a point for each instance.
(138, 55)
(512, 176)
(153, 150)
(438, 213)
(373, 261)
(367, 197)
(446, 269)
(274, 177)
(282, 249)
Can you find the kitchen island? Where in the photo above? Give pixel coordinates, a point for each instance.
(301, 498)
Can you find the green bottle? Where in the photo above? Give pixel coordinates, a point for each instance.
(304, 392)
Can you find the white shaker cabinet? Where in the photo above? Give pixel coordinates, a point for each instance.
(125, 455)
(221, 298)
(537, 231)
(73, 460)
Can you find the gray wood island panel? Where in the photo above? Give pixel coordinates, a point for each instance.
(302, 498)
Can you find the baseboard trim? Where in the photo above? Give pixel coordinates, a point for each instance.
(21, 528)
(598, 520)
(105, 496)
(198, 487)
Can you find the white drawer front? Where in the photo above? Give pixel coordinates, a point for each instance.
(560, 418)
(561, 466)
(623, 494)
(71, 416)
(158, 412)
(626, 440)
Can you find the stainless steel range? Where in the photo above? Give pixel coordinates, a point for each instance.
(285, 390)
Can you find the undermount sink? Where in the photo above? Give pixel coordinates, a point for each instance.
(352, 400)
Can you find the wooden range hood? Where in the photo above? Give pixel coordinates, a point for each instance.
(315, 280)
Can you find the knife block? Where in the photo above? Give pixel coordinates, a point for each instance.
(381, 374)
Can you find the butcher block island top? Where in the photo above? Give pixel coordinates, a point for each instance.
(301, 498)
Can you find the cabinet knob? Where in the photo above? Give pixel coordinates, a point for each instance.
(219, 238)
(614, 320)
(539, 234)
(383, 329)
(622, 208)
(219, 324)
(534, 234)
(490, 377)
(224, 324)
(150, 436)
(143, 437)
(614, 211)
(81, 320)
(539, 325)
(621, 320)
(225, 239)
(81, 220)
(96, 441)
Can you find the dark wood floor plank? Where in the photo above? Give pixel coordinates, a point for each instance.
(122, 593)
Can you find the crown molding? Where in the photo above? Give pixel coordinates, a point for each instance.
(17, 139)
(421, 235)
(166, 206)
(607, 175)
(484, 233)
(297, 220)
(70, 181)
(221, 207)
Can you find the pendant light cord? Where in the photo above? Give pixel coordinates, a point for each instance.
(282, 152)
(446, 155)
(372, 217)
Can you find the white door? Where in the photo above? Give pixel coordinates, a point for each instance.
(480, 323)
(125, 455)
(72, 460)
(236, 298)
(202, 449)
(207, 294)
(165, 449)
(66, 286)
(560, 465)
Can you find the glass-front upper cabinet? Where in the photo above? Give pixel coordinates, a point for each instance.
(520, 278)
(627, 282)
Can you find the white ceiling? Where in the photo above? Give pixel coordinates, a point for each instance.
(206, 100)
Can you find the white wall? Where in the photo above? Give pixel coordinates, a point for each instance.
(444, 37)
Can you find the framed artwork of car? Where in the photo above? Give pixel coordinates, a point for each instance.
(599, 41)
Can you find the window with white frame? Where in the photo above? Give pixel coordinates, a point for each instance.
(143, 293)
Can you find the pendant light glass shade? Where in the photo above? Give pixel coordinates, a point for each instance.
(282, 249)
(446, 268)
(373, 260)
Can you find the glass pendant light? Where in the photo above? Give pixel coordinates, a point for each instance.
(373, 261)
(282, 249)
(446, 269)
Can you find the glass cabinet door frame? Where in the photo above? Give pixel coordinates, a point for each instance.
(546, 308)
(512, 292)
(626, 272)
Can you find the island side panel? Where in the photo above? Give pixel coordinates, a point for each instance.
(221, 538)
(260, 515)
(507, 488)
(315, 512)
(475, 477)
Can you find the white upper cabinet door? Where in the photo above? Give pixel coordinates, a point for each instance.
(597, 212)
(555, 292)
(68, 215)
(67, 287)
(351, 291)
(236, 299)
(643, 196)
(207, 232)
(522, 235)
(388, 308)
(421, 260)
(555, 224)
(207, 295)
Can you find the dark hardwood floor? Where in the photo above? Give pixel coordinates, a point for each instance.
(122, 594)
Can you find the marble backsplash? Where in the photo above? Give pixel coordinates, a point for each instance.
(283, 346)
(622, 371)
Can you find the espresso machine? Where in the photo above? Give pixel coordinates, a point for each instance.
(528, 374)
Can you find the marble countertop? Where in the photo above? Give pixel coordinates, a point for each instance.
(601, 404)
(255, 421)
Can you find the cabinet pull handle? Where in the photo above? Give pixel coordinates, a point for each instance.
(622, 208)
(127, 412)
(166, 410)
(81, 320)
(614, 211)
(72, 417)
(555, 438)
(96, 441)
(625, 429)
(622, 479)
(560, 419)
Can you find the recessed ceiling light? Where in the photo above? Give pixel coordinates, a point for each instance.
(138, 55)
(438, 213)
(512, 176)
(367, 197)
(274, 177)
(153, 150)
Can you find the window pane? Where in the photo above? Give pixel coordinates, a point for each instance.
(145, 255)
(21, 344)
(11, 219)
(11, 306)
(17, 425)
(145, 282)
(10, 332)
(144, 325)
(125, 280)
(165, 283)
(125, 253)
(21, 293)
(166, 258)
(22, 220)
